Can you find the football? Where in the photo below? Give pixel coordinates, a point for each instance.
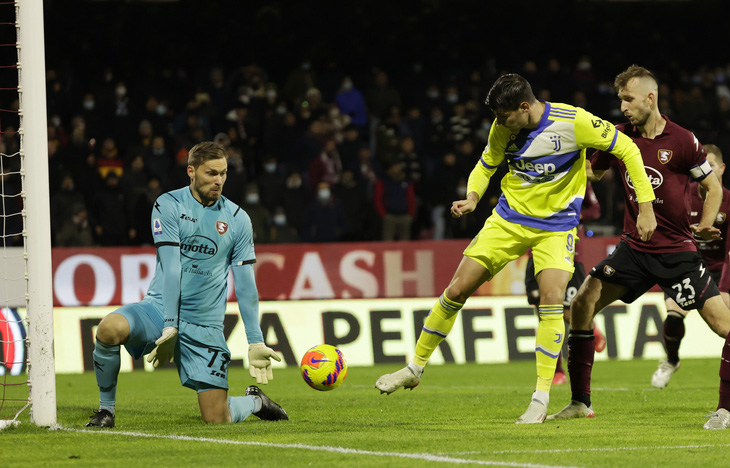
(324, 367)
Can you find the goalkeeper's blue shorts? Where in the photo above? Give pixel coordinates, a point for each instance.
(145, 327)
(202, 356)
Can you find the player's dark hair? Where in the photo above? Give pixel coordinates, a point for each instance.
(634, 71)
(205, 151)
(714, 149)
(508, 92)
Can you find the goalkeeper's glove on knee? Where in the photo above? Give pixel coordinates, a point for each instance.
(164, 352)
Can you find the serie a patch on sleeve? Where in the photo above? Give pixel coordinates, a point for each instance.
(157, 226)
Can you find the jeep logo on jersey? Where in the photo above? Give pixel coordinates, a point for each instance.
(664, 155)
(198, 248)
(655, 177)
(221, 227)
(547, 168)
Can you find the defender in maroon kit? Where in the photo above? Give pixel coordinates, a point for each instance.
(715, 254)
(673, 158)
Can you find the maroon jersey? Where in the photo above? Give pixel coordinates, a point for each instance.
(715, 251)
(672, 160)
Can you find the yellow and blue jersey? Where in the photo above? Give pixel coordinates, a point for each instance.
(546, 182)
(211, 239)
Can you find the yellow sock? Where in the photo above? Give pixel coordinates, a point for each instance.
(437, 325)
(550, 335)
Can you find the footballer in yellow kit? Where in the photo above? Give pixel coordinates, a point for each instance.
(544, 145)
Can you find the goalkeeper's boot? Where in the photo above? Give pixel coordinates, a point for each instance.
(720, 419)
(270, 410)
(535, 414)
(661, 376)
(405, 378)
(101, 418)
(575, 409)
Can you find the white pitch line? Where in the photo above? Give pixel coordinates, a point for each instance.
(322, 448)
(596, 449)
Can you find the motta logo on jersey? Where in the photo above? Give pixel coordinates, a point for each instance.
(655, 177)
(198, 247)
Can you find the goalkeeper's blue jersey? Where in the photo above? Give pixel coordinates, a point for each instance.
(211, 239)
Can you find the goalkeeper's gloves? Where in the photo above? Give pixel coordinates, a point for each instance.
(259, 365)
(164, 352)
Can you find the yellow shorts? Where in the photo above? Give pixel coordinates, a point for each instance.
(500, 241)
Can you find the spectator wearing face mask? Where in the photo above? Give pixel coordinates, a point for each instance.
(294, 199)
(271, 183)
(324, 217)
(281, 232)
(351, 102)
(257, 212)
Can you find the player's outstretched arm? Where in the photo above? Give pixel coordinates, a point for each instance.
(259, 355)
(172, 271)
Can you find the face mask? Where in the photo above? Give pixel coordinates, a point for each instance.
(324, 194)
(271, 94)
(252, 198)
(281, 110)
(433, 94)
(89, 105)
(347, 85)
(56, 121)
(306, 66)
(161, 110)
(269, 168)
(461, 191)
(294, 183)
(121, 91)
(280, 220)
(452, 98)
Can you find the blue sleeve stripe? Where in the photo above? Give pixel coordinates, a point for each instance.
(613, 142)
(563, 113)
(486, 165)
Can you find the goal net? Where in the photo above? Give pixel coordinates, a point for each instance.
(27, 378)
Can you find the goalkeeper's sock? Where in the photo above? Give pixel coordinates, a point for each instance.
(242, 407)
(673, 333)
(106, 368)
(437, 325)
(581, 353)
(549, 342)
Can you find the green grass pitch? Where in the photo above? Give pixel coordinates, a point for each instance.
(460, 415)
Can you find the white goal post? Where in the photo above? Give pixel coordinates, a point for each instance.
(36, 210)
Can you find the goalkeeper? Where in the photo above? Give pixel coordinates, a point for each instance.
(199, 234)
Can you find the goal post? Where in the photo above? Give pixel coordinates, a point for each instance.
(36, 210)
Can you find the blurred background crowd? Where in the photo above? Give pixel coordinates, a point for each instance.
(343, 121)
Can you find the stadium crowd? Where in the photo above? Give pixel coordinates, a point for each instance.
(318, 152)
